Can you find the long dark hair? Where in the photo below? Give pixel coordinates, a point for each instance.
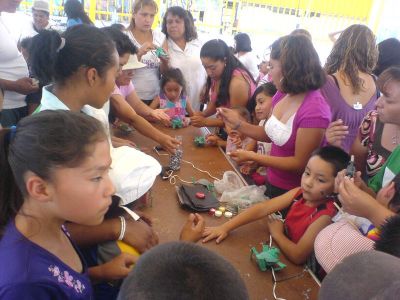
(190, 29)
(74, 10)
(218, 50)
(56, 139)
(56, 58)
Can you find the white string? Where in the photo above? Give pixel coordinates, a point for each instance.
(173, 178)
(273, 275)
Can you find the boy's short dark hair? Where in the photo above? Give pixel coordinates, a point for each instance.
(122, 42)
(337, 157)
(389, 240)
(182, 271)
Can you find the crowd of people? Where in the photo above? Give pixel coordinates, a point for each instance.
(68, 186)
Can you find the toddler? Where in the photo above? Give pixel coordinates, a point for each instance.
(173, 97)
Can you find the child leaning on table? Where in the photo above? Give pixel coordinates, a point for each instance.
(235, 140)
(173, 97)
(261, 104)
(310, 207)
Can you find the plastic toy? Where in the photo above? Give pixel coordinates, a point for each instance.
(176, 123)
(199, 141)
(160, 52)
(268, 258)
(351, 169)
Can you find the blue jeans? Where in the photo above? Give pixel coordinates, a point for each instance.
(10, 117)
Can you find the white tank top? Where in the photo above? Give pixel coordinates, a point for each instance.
(279, 132)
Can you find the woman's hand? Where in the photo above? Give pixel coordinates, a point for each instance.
(169, 143)
(354, 200)
(211, 233)
(198, 120)
(146, 47)
(193, 229)
(241, 155)
(336, 133)
(160, 115)
(229, 116)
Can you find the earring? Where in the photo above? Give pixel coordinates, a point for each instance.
(280, 80)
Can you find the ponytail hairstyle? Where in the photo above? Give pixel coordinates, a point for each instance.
(56, 138)
(74, 10)
(218, 50)
(58, 57)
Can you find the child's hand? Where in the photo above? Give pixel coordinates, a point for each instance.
(237, 141)
(198, 120)
(247, 168)
(212, 139)
(119, 267)
(275, 225)
(193, 229)
(140, 235)
(211, 233)
(241, 155)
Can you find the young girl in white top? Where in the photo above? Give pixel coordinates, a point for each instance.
(147, 41)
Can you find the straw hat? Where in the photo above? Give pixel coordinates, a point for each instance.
(41, 5)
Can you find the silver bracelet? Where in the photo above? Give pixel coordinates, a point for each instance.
(123, 228)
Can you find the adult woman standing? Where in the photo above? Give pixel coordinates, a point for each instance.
(229, 83)
(299, 117)
(244, 53)
(146, 80)
(184, 51)
(350, 88)
(76, 13)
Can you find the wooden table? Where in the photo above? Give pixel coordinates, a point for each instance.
(168, 219)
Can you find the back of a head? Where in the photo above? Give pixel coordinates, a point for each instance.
(365, 275)
(389, 55)
(336, 156)
(243, 42)
(57, 57)
(74, 10)
(355, 50)
(122, 42)
(300, 64)
(389, 237)
(182, 271)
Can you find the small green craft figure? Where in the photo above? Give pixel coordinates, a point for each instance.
(199, 141)
(268, 258)
(176, 123)
(160, 52)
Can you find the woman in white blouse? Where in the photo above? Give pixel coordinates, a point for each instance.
(184, 51)
(146, 80)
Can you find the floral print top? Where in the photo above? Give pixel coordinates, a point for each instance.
(29, 271)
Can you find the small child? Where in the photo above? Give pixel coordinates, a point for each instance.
(63, 177)
(173, 97)
(310, 207)
(235, 140)
(262, 99)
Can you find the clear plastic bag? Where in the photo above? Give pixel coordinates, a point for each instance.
(229, 182)
(248, 195)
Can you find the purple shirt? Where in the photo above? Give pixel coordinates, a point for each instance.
(313, 112)
(342, 110)
(28, 271)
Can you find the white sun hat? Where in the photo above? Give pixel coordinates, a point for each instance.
(133, 63)
(132, 172)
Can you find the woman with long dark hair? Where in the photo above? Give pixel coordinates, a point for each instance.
(229, 83)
